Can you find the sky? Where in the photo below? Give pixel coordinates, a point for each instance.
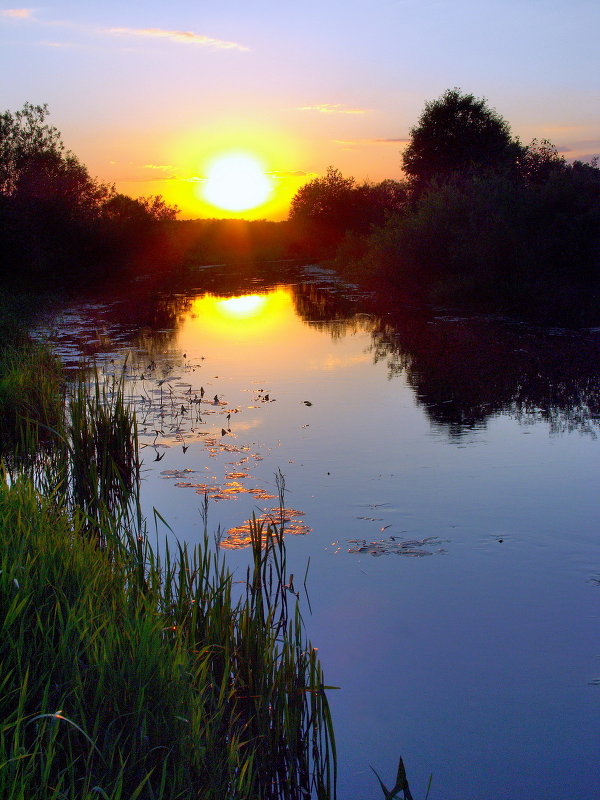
(148, 94)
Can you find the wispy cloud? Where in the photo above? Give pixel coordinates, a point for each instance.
(566, 129)
(17, 13)
(299, 173)
(587, 143)
(578, 145)
(163, 167)
(183, 37)
(61, 44)
(333, 108)
(358, 142)
(180, 37)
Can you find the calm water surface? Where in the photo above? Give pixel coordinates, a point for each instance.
(441, 475)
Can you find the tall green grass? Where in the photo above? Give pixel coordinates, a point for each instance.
(131, 673)
(100, 453)
(31, 397)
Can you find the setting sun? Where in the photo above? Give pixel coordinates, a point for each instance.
(236, 182)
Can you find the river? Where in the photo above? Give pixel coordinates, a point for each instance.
(441, 475)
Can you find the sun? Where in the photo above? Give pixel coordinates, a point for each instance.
(236, 182)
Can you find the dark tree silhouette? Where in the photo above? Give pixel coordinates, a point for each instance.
(56, 221)
(36, 170)
(457, 133)
(328, 200)
(539, 161)
(35, 166)
(327, 208)
(125, 210)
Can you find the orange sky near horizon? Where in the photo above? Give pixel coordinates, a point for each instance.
(182, 178)
(148, 95)
(179, 172)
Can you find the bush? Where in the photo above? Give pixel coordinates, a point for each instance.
(496, 241)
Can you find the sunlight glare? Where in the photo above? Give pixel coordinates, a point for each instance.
(245, 318)
(236, 182)
(248, 305)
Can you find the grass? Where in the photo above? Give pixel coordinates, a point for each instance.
(31, 397)
(101, 444)
(129, 673)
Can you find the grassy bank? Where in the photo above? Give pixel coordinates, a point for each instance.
(126, 673)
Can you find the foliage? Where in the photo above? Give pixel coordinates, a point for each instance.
(330, 196)
(539, 161)
(497, 241)
(326, 208)
(126, 674)
(401, 784)
(157, 209)
(36, 168)
(125, 210)
(100, 438)
(31, 397)
(454, 225)
(457, 133)
(54, 215)
(484, 221)
(112, 656)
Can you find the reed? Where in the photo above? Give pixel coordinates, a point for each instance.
(31, 398)
(100, 452)
(126, 672)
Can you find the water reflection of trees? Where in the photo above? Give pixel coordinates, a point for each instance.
(463, 371)
(466, 370)
(328, 310)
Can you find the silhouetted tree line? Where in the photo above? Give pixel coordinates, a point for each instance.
(326, 209)
(57, 223)
(463, 372)
(479, 220)
(60, 226)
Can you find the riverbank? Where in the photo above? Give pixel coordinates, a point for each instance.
(129, 673)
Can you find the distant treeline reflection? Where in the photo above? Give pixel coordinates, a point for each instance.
(463, 370)
(466, 370)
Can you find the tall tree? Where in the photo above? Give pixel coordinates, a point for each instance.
(36, 168)
(328, 200)
(457, 133)
(326, 208)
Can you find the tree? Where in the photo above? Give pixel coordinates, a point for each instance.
(128, 211)
(384, 198)
(539, 161)
(37, 170)
(23, 136)
(457, 133)
(158, 209)
(325, 209)
(326, 200)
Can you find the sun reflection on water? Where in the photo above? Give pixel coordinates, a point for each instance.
(248, 305)
(248, 316)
